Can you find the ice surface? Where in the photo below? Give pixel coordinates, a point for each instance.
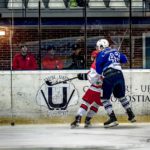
(61, 137)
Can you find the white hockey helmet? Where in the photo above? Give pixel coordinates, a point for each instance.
(102, 43)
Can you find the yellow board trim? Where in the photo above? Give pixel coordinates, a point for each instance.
(67, 119)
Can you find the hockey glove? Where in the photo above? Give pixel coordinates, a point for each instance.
(82, 76)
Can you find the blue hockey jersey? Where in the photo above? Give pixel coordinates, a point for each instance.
(109, 58)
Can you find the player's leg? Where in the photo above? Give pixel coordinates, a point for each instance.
(83, 108)
(108, 84)
(76, 122)
(119, 92)
(92, 111)
(94, 107)
(82, 111)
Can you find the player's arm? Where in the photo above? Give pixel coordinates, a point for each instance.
(99, 63)
(123, 58)
(94, 78)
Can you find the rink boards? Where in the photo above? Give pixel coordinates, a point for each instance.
(26, 97)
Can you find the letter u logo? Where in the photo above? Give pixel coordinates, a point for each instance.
(51, 96)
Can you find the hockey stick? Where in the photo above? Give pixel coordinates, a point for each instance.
(51, 84)
(123, 39)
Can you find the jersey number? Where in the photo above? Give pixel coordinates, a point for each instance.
(114, 57)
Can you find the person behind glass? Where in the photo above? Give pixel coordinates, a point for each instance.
(81, 3)
(24, 60)
(77, 58)
(108, 63)
(52, 62)
(76, 3)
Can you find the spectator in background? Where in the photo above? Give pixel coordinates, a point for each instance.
(77, 58)
(72, 3)
(50, 61)
(81, 3)
(24, 60)
(76, 3)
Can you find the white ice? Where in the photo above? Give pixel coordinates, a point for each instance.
(123, 137)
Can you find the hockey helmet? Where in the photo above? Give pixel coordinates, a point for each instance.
(102, 43)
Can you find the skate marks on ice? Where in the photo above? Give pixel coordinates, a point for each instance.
(54, 137)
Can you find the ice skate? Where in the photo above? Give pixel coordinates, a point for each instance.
(111, 122)
(131, 116)
(87, 122)
(76, 122)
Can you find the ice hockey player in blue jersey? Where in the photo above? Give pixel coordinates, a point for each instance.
(108, 63)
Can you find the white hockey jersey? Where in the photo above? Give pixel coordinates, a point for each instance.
(95, 79)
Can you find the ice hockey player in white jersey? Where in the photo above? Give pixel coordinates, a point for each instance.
(91, 98)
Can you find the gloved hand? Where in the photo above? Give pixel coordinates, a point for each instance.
(82, 76)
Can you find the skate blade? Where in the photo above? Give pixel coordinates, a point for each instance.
(132, 120)
(74, 126)
(88, 126)
(113, 124)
